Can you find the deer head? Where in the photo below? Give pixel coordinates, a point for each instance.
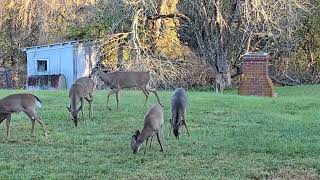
(134, 145)
(74, 114)
(97, 71)
(176, 127)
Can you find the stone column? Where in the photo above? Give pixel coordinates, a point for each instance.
(255, 79)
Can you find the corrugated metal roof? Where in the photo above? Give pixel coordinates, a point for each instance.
(56, 44)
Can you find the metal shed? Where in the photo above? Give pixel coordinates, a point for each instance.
(68, 60)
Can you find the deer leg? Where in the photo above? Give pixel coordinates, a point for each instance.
(43, 126)
(150, 141)
(159, 141)
(8, 119)
(91, 107)
(146, 94)
(89, 100)
(82, 116)
(155, 93)
(90, 110)
(185, 124)
(109, 94)
(2, 119)
(162, 134)
(33, 116)
(145, 150)
(170, 120)
(117, 98)
(33, 121)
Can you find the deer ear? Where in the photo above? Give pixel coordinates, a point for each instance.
(68, 108)
(170, 120)
(137, 133)
(134, 137)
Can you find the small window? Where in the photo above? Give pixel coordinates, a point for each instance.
(42, 65)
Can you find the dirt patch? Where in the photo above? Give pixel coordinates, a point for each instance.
(294, 174)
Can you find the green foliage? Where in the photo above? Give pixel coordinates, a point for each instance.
(81, 33)
(107, 17)
(232, 137)
(305, 63)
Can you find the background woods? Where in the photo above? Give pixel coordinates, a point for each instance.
(182, 42)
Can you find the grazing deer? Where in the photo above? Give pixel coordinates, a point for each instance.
(153, 124)
(82, 89)
(126, 79)
(178, 110)
(21, 103)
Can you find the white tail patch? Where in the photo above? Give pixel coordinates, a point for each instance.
(38, 103)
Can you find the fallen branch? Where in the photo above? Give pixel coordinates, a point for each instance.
(293, 80)
(282, 83)
(167, 16)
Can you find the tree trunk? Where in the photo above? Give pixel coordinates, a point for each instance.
(167, 43)
(120, 57)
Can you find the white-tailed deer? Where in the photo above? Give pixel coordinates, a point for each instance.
(83, 88)
(153, 124)
(178, 110)
(126, 79)
(21, 103)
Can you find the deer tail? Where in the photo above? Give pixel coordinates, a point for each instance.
(38, 101)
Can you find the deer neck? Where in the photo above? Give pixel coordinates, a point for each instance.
(104, 76)
(176, 117)
(144, 135)
(74, 100)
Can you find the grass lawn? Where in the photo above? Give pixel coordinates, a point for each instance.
(232, 137)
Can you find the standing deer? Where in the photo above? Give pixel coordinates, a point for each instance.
(21, 103)
(127, 79)
(153, 124)
(178, 110)
(82, 89)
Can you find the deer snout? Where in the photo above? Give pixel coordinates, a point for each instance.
(76, 123)
(176, 130)
(135, 149)
(75, 120)
(176, 133)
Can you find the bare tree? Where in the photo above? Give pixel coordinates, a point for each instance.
(225, 30)
(171, 38)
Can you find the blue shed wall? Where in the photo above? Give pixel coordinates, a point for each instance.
(73, 60)
(60, 61)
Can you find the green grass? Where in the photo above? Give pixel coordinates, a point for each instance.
(232, 137)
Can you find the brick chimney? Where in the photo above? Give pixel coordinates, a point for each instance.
(255, 79)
